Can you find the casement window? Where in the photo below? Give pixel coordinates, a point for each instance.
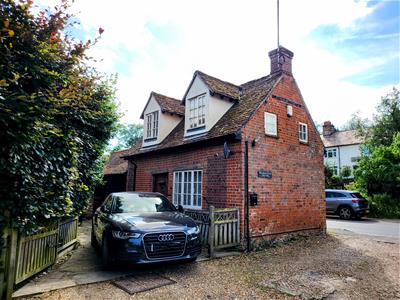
(187, 188)
(303, 133)
(334, 169)
(197, 111)
(330, 153)
(152, 125)
(271, 127)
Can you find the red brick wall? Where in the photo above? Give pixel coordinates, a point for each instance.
(222, 178)
(293, 199)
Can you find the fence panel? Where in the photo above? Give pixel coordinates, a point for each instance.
(67, 233)
(223, 223)
(35, 253)
(202, 219)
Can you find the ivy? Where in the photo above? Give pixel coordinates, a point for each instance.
(57, 114)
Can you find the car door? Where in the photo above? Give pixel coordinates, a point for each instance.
(101, 217)
(330, 205)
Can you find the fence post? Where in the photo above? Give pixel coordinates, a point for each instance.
(238, 226)
(211, 232)
(11, 262)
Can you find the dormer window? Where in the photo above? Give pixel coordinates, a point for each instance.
(152, 125)
(197, 111)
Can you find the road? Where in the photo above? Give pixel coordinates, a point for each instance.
(366, 226)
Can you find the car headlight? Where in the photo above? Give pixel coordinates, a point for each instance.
(194, 230)
(123, 235)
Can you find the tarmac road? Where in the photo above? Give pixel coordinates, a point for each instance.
(366, 226)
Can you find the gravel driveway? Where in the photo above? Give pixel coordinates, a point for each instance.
(333, 267)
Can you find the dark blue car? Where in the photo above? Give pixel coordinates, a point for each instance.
(143, 228)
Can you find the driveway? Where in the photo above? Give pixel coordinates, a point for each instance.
(372, 227)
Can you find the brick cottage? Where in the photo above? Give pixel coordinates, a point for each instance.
(225, 143)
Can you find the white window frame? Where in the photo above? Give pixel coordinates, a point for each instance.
(303, 134)
(333, 153)
(197, 111)
(152, 125)
(271, 124)
(187, 188)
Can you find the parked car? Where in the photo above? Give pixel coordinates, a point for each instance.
(143, 228)
(346, 204)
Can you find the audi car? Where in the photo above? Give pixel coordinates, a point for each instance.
(143, 228)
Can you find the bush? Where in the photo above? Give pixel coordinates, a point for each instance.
(382, 205)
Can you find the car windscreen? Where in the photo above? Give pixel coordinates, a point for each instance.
(141, 203)
(357, 195)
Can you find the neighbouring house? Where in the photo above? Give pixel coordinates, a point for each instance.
(342, 148)
(253, 146)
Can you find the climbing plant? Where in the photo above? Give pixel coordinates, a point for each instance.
(57, 114)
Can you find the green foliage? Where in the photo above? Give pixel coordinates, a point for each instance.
(127, 135)
(387, 122)
(379, 172)
(383, 205)
(56, 114)
(345, 172)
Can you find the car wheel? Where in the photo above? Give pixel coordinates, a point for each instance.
(345, 213)
(105, 254)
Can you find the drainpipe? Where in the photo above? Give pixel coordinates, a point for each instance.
(246, 192)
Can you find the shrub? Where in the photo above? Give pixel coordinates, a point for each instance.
(383, 205)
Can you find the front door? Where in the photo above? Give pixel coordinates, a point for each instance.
(160, 183)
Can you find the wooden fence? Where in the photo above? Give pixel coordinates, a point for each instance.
(219, 228)
(27, 255)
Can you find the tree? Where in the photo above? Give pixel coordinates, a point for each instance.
(357, 123)
(56, 113)
(387, 121)
(379, 173)
(127, 135)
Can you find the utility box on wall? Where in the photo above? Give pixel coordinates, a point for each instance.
(253, 199)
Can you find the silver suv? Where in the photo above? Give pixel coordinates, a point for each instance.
(346, 204)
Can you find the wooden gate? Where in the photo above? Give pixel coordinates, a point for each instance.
(219, 228)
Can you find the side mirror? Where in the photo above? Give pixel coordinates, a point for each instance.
(180, 208)
(103, 209)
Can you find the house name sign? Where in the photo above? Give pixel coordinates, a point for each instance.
(264, 174)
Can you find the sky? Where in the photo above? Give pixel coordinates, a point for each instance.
(346, 53)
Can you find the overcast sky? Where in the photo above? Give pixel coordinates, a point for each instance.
(346, 53)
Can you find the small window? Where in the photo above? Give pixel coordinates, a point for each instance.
(271, 127)
(152, 125)
(303, 133)
(197, 111)
(329, 153)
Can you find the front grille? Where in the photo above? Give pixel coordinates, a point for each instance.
(156, 249)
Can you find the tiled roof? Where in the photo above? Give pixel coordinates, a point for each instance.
(116, 164)
(219, 86)
(168, 104)
(341, 138)
(253, 94)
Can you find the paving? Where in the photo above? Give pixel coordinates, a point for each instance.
(83, 267)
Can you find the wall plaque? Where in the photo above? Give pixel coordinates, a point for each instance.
(264, 174)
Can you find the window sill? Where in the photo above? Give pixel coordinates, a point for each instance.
(150, 139)
(303, 142)
(275, 136)
(196, 129)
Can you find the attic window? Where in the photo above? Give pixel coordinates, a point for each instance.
(197, 109)
(152, 125)
(303, 133)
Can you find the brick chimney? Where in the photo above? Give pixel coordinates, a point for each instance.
(281, 60)
(328, 128)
